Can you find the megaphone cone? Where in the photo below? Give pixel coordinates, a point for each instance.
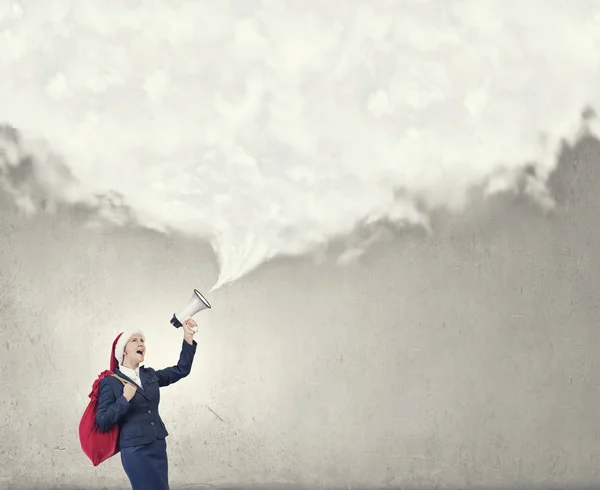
(196, 303)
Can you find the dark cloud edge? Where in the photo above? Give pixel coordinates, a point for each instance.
(30, 186)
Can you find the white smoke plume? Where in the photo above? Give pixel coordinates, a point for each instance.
(270, 127)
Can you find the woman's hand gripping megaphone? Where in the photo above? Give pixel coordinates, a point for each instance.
(190, 326)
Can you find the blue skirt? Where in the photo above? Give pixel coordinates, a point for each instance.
(147, 466)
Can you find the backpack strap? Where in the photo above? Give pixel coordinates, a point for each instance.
(124, 381)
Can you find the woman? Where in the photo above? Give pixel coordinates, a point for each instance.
(134, 406)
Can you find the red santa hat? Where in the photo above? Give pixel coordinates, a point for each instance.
(118, 347)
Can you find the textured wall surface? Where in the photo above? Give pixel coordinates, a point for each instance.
(467, 358)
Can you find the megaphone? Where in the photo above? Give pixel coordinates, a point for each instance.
(196, 303)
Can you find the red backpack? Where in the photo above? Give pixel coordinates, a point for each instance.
(97, 445)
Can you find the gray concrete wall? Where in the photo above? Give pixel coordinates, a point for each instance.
(463, 359)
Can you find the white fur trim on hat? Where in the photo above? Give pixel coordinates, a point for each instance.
(122, 342)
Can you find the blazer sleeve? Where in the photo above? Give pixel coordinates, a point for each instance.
(111, 408)
(173, 374)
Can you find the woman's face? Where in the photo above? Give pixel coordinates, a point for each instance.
(135, 350)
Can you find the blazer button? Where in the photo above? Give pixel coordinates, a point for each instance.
(151, 423)
(149, 411)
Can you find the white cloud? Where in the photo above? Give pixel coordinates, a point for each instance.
(272, 129)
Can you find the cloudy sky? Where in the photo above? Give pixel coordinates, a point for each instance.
(360, 188)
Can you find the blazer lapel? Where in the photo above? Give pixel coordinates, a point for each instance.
(140, 390)
(143, 376)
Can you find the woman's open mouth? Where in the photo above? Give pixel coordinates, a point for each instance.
(140, 352)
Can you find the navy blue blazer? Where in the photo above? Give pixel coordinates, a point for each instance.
(138, 419)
